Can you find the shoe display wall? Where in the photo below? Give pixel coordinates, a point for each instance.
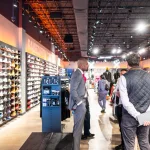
(10, 72)
(36, 69)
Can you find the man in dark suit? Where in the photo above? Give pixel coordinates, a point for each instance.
(77, 102)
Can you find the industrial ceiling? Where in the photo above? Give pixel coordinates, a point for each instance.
(102, 24)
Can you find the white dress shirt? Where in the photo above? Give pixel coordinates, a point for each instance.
(125, 99)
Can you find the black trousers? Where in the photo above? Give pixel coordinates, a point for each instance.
(87, 119)
(118, 112)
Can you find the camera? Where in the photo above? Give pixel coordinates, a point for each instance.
(13, 18)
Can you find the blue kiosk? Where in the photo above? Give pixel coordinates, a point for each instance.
(51, 104)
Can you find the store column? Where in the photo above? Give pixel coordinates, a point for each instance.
(22, 41)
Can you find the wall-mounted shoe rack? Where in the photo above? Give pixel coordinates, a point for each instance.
(10, 87)
(36, 68)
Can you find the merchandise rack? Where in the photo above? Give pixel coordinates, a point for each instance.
(36, 68)
(10, 89)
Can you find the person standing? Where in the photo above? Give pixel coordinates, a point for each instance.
(118, 109)
(77, 102)
(134, 88)
(87, 124)
(102, 93)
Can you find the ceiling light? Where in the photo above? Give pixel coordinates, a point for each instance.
(130, 53)
(41, 30)
(141, 51)
(23, 12)
(100, 10)
(97, 22)
(92, 36)
(124, 56)
(131, 36)
(61, 52)
(124, 42)
(114, 51)
(141, 27)
(35, 25)
(30, 19)
(95, 51)
(105, 60)
(94, 33)
(105, 57)
(15, 3)
(94, 26)
(119, 51)
(92, 39)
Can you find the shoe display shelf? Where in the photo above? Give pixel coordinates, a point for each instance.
(10, 88)
(36, 68)
(50, 69)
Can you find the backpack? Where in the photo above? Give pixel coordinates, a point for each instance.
(106, 87)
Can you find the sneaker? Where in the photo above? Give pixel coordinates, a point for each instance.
(1, 114)
(1, 107)
(103, 111)
(13, 114)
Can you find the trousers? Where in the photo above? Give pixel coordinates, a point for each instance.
(131, 129)
(118, 112)
(79, 116)
(102, 103)
(87, 120)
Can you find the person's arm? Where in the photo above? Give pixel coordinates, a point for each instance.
(75, 81)
(125, 99)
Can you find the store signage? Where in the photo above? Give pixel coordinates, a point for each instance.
(35, 47)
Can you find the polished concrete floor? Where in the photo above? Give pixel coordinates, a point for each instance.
(107, 135)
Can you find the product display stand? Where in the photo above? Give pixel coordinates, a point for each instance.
(10, 88)
(51, 104)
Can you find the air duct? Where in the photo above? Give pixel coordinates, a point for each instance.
(81, 15)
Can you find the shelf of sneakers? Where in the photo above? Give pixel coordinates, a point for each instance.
(35, 72)
(50, 68)
(7, 56)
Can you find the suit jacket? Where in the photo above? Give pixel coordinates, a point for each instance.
(77, 88)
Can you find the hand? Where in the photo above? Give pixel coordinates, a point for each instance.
(74, 107)
(147, 123)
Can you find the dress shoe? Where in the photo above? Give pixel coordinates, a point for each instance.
(119, 147)
(91, 135)
(84, 137)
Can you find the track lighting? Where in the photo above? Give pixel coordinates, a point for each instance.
(94, 26)
(15, 4)
(97, 22)
(30, 19)
(35, 25)
(23, 13)
(41, 30)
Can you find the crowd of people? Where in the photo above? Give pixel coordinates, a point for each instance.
(132, 96)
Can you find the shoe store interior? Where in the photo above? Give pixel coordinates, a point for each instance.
(74, 75)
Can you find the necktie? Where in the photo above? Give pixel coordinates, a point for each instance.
(84, 77)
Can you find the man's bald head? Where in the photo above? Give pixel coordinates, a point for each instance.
(83, 64)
